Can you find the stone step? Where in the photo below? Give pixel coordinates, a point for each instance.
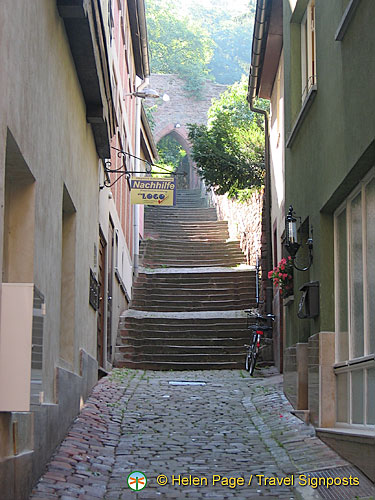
(193, 275)
(180, 365)
(167, 211)
(236, 357)
(191, 305)
(186, 229)
(189, 237)
(167, 245)
(182, 324)
(176, 235)
(151, 253)
(172, 350)
(201, 293)
(193, 281)
(182, 219)
(202, 257)
(219, 337)
(217, 341)
(170, 295)
(209, 248)
(195, 216)
(151, 264)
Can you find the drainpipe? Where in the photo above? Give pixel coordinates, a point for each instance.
(258, 47)
(138, 109)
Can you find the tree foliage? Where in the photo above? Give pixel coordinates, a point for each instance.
(178, 44)
(231, 35)
(170, 152)
(200, 41)
(229, 151)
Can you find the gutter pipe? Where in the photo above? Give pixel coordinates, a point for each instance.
(258, 47)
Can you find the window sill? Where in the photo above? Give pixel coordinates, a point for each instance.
(302, 115)
(347, 431)
(356, 361)
(346, 19)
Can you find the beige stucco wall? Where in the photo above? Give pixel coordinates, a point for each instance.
(42, 105)
(277, 155)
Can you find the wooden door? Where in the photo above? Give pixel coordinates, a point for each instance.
(110, 289)
(102, 298)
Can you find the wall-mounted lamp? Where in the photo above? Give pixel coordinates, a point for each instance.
(148, 93)
(291, 240)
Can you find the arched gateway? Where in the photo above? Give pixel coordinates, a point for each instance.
(171, 117)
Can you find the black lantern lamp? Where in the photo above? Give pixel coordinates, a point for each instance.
(291, 240)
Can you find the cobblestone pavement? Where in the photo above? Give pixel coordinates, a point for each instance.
(233, 426)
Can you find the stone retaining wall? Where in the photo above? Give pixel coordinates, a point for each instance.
(244, 221)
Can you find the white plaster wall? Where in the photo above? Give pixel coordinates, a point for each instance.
(41, 103)
(277, 156)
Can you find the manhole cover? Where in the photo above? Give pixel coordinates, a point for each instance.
(186, 382)
(345, 486)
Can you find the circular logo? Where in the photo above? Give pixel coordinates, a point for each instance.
(137, 481)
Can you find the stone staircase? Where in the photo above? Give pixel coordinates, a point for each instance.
(188, 300)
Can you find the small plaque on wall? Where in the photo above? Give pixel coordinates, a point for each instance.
(94, 291)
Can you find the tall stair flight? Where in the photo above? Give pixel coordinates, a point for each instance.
(188, 300)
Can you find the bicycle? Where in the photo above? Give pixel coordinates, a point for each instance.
(258, 331)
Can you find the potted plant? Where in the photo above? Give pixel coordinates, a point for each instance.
(282, 276)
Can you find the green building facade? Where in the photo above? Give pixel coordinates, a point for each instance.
(329, 366)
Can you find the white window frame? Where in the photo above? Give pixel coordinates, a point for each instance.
(308, 50)
(367, 361)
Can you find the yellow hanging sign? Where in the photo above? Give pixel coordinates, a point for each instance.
(153, 191)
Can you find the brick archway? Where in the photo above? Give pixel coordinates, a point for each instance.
(180, 134)
(181, 110)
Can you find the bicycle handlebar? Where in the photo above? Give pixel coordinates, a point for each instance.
(251, 314)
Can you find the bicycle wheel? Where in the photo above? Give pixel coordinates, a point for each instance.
(247, 361)
(253, 360)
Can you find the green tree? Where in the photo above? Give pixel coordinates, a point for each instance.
(178, 44)
(170, 152)
(232, 37)
(229, 151)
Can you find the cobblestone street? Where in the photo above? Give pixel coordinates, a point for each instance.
(228, 426)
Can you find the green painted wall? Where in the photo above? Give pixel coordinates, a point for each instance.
(334, 146)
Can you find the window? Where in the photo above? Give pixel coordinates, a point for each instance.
(355, 299)
(306, 42)
(308, 60)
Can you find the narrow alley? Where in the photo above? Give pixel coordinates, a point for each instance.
(191, 430)
(176, 426)
(187, 241)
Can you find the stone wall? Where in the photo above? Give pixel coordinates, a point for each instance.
(181, 108)
(244, 221)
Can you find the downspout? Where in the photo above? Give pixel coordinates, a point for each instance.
(259, 39)
(138, 109)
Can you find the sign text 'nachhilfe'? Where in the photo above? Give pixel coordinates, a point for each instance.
(153, 191)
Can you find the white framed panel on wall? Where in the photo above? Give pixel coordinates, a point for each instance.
(354, 237)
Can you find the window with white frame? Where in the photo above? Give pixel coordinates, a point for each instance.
(308, 52)
(355, 306)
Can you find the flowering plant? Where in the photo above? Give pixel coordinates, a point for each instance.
(282, 276)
